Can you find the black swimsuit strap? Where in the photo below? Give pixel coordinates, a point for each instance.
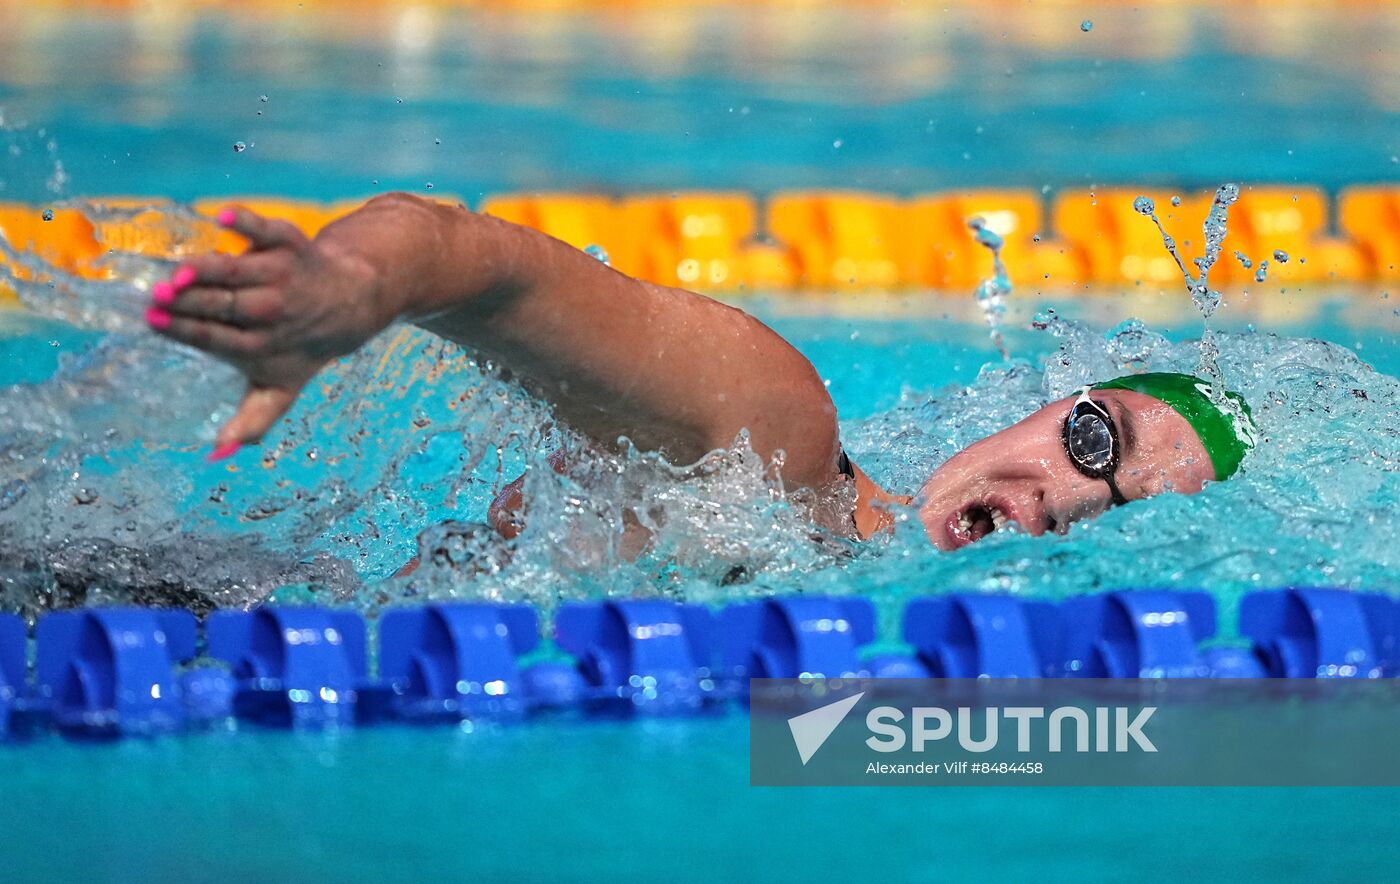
(843, 463)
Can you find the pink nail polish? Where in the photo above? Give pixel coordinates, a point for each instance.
(157, 319)
(182, 278)
(228, 449)
(163, 294)
(227, 217)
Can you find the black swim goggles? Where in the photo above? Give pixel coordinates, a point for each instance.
(1091, 441)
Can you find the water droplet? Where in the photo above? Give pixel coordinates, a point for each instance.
(597, 251)
(1144, 206)
(1280, 256)
(1262, 272)
(1244, 261)
(1086, 26)
(262, 98)
(1035, 237)
(1176, 200)
(437, 141)
(429, 185)
(48, 214)
(837, 144)
(239, 147)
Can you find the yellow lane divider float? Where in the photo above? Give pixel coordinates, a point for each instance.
(832, 240)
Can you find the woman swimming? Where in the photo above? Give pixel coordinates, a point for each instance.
(673, 371)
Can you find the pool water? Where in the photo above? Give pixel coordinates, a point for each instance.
(625, 801)
(103, 490)
(898, 98)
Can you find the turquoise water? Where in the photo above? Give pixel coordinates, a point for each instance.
(104, 494)
(900, 98)
(569, 800)
(619, 801)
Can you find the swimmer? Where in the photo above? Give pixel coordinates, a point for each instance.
(673, 371)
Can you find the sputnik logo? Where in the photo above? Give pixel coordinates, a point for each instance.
(811, 729)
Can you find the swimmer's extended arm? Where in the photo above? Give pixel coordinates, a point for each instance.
(672, 370)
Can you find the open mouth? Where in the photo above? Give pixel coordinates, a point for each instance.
(976, 521)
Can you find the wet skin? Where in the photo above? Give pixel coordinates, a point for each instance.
(1025, 474)
(1022, 473)
(670, 370)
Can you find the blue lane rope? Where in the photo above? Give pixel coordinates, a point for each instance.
(112, 672)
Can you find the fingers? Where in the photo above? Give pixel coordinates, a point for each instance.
(261, 408)
(245, 308)
(263, 233)
(221, 339)
(232, 271)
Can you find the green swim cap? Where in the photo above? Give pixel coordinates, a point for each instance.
(1227, 430)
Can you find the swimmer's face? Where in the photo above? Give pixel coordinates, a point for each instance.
(1023, 473)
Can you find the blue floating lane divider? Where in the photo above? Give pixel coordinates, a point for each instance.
(116, 671)
(983, 636)
(299, 666)
(456, 660)
(111, 671)
(653, 657)
(1321, 633)
(792, 637)
(12, 668)
(1137, 634)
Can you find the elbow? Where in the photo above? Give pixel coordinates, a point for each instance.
(402, 203)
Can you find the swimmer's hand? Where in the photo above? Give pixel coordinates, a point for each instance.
(279, 313)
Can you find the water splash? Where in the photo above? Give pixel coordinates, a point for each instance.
(1206, 299)
(992, 292)
(104, 495)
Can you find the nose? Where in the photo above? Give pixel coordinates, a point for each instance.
(1071, 496)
